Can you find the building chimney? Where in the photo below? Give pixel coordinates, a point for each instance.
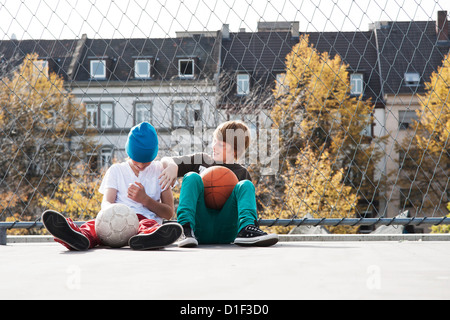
(226, 31)
(442, 26)
(295, 29)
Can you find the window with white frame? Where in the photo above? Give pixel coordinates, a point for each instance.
(98, 69)
(143, 112)
(92, 115)
(186, 68)
(243, 84)
(406, 119)
(356, 84)
(179, 114)
(282, 85)
(142, 69)
(412, 79)
(106, 115)
(186, 114)
(194, 112)
(106, 157)
(367, 131)
(42, 67)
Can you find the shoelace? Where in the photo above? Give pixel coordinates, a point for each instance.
(254, 229)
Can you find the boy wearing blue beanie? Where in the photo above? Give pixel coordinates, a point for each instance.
(134, 183)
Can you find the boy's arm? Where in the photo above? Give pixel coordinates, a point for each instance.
(164, 209)
(167, 199)
(177, 167)
(109, 197)
(169, 174)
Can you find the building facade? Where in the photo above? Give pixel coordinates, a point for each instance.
(185, 86)
(170, 83)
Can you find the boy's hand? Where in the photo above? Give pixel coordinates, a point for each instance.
(168, 176)
(136, 192)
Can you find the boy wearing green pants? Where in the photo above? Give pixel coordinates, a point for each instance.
(237, 220)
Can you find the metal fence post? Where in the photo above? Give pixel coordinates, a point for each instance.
(2, 236)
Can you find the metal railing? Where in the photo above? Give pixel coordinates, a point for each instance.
(4, 226)
(344, 101)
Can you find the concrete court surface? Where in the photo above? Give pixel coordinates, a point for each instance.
(289, 270)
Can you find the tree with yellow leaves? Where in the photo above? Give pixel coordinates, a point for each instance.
(316, 116)
(442, 228)
(425, 162)
(38, 118)
(76, 195)
(313, 187)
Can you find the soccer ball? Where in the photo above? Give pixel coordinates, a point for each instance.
(116, 224)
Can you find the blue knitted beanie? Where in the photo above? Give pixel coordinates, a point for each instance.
(142, 143)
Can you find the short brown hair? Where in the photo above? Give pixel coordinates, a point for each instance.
(237, 134)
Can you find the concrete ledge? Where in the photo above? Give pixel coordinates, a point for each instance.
(365, 237)
(28, 239)
(294, 238)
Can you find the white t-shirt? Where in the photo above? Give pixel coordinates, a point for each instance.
(119, 176)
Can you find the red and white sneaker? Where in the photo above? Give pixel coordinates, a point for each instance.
(65, 231)
(157, 237)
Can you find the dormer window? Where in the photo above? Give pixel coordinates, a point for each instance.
(186, 68)
(42, 66)
(243, 84)
(356, 84)
(98, 69)
(142, 68)
(412, 79)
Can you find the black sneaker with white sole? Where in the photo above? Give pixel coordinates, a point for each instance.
(251, 235)
(64, 231)
(162, 237)
(188, 239)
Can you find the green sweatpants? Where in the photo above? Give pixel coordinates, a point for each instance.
(216, 226)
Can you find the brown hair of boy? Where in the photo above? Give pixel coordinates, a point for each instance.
(237, 134)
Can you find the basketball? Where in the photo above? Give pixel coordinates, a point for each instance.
(219, 183)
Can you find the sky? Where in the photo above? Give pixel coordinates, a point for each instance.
(70, 19)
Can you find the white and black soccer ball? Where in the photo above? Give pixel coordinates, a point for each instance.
(116, 224)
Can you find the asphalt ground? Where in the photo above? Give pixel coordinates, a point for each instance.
(400, 270)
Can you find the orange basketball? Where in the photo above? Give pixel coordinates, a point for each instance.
(219, 183)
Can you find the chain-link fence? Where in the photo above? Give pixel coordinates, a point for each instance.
(348, 103)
